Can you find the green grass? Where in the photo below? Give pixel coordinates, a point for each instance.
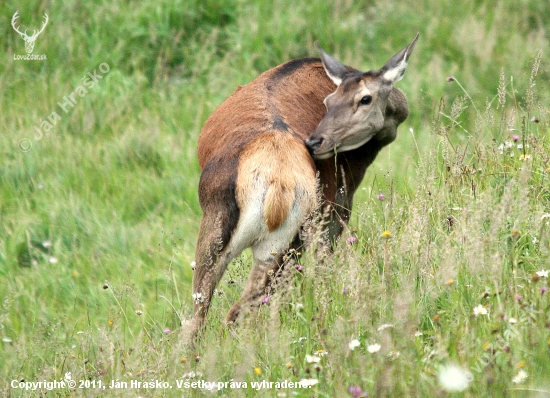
(99, 218)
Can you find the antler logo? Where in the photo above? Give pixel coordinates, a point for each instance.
(29, 40)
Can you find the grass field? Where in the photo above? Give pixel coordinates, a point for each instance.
(99, 209)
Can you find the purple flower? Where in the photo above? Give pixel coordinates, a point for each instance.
(345, 291)
(518, 297)
(299, 268)
(534, 119)
(515, 137)
(543, 290)
(351, 239)
(166, 331)
(381, 196)
(450, 79)
(356, 392)
(265, 300)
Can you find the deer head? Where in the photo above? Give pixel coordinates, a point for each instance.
(29, 40)
(356, 110)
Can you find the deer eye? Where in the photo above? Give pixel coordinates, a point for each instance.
(366, 100)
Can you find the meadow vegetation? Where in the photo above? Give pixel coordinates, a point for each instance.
(443, 271)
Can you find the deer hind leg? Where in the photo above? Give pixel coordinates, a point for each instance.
(268, 256)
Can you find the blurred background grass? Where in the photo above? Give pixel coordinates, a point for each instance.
(108, 197)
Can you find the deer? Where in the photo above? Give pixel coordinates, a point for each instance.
(303, 132)
(29, 40)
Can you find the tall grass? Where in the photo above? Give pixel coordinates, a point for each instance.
(99, 218)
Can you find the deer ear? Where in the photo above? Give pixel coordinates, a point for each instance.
(394, 69)
(334, 69)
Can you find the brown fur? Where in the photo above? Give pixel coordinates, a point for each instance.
(253, 144)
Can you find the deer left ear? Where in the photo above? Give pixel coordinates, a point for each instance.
(395, 68)
(334, 69)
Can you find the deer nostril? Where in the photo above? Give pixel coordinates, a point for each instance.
(313, 144)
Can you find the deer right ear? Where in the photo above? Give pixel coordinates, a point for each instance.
(334, 69)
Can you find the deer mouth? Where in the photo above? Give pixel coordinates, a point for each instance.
(319, 148)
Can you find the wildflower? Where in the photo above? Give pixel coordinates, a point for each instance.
(351, 239)
(68, 376)
(289, 365)
(449, 281)
(418, 334)
(139, 312)
(524, 157)
(166, 331)
(307, 383)
(381, 196)
(345, 291)
(512, 320)
(545, 215)
(516, 233)
(110, 322)
(193, 265)
(518, 297)
(312, 359)
(450, 79)
(300, 339)
(505, 147)
(354, 344)
(393, 355)
(373, 348)
(47, 243)
(7, 340)
(299, 268)
(453, 378)
(265, 300)
(515, 137)
(299, 306)
(321, 352)
(257, 371)
(534, 119)
(520, 376)
(183, 360)
(53, 260)
(543, 273)
(197, 298)
(355, 391)
(74, 273)
(480, 310)
(543, 290)
(386, 234)
(534, 240)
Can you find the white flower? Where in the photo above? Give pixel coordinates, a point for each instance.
(47, 243)
(68, 376)
(7, 340)
(543, 273)
(454, 378)
(193, 265)
(545, 215)
(534, 240)
(393, 355)
(480, 310)
(374, 348)
(306, 383)
(513, 320)
(520, 377)
(312, 359)
(354, 344)
(418, 334)
(53, 260)
(197, 298)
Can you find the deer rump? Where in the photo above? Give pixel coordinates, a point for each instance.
(260, 164)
